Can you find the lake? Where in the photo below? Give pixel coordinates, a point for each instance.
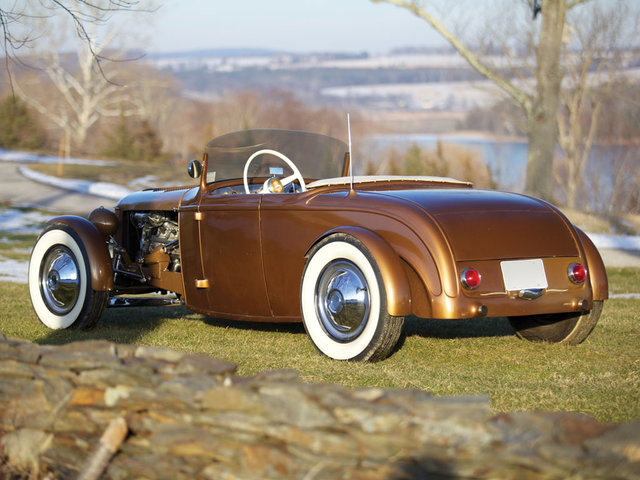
(610, 176)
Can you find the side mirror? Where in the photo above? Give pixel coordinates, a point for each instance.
(194, 169)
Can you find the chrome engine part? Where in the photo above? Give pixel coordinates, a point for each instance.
(157, 229)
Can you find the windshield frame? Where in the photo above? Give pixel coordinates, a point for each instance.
(317, 156)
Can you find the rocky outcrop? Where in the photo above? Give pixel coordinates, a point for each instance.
(190, 416)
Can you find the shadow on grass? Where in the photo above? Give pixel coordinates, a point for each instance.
(289, 327)
(413, 326)
(119, 325)
(466, 328)
(130, 325)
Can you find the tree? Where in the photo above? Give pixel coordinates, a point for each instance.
(134, 140)
(87, 88)
(18, 128)
(540, 104)
(15, 20)
(591, 61)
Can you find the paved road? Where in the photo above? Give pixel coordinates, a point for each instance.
(18, 190)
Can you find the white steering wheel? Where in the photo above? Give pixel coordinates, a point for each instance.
(285, 181)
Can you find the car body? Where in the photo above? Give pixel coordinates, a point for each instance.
(277, 231)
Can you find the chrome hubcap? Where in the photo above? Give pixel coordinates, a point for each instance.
(59, 280)
(342, 300)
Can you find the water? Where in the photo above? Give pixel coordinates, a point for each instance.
(610, 176)
(507, 160)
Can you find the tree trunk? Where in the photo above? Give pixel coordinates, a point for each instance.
(542, 118)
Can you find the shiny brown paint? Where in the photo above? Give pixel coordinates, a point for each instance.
(251, 248)
(243, 255)
(96, 249)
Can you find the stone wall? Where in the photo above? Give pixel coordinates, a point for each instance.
(190, 416)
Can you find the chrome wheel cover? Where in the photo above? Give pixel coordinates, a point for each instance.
(342, 300)
(59, 280)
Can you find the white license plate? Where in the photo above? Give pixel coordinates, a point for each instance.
(521, 274)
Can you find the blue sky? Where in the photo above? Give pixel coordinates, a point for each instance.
(293, 25)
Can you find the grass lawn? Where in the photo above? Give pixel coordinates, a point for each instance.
(600, 377)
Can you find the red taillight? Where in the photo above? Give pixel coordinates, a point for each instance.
(577, 273)
(470, 278)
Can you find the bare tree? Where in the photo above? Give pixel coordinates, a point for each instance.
(16, 20)
(592, 61)
(540, 104)
(86, 87)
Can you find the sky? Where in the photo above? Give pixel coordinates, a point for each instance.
(290, 25)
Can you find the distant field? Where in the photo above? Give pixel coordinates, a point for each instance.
(600, 377)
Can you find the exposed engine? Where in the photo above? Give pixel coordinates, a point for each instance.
(157, 230)
(148, 257)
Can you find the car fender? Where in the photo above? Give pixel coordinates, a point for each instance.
(395, 279)
(96, 249)
(595, 265)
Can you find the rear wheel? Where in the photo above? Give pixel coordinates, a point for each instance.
(60, 281)
(344, 305)
(568, 328)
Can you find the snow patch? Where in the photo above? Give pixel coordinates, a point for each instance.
(28, 157)
(98, 189)
(13, 270)
(19, 221)
(626, 296)
(617, 242)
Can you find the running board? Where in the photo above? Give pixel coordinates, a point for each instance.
(118, 302)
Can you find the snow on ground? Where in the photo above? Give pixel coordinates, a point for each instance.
(28, 157)
(626, 296)
(98, 189)
(13, 270)
(18, 221)
(15, 221)
(615, 242)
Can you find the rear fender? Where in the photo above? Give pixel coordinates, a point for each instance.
(597, 272)
(96, 248)
(396, 283)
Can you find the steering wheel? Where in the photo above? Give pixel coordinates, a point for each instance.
(285, 181)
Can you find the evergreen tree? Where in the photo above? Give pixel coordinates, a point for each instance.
(18, 128)
(136, 141)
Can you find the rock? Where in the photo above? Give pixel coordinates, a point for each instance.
(190, 416)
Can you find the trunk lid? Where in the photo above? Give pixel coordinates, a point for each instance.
(486, 225)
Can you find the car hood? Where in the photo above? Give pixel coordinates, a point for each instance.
(486, 224)
(155, 199)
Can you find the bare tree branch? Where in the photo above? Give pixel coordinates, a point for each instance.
(417, 8)
(81, 12)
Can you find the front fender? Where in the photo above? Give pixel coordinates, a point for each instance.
(597, 271)
(395, 280)
(96, 248)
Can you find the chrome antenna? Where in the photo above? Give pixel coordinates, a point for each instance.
(350, 150)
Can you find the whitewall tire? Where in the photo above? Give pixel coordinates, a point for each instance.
(59, 281)
(343, 302)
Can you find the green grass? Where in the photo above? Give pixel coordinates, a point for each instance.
(600, 377)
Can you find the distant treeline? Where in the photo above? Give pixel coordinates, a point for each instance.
(310, 81)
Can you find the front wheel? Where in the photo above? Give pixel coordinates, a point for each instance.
(60, 281)
(343, 302)
(567, 328)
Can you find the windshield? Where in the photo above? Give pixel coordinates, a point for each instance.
(316, 156)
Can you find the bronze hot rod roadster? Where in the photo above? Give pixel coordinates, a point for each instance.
(276, 231)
